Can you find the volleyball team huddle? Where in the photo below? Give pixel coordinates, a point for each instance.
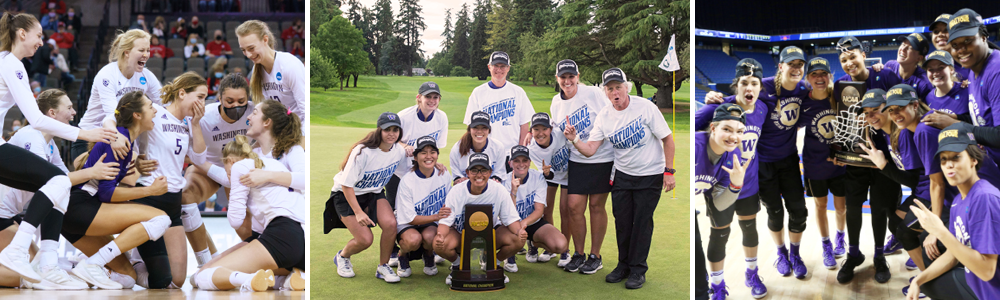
(393, 178)
(929, 127)
(131, 180)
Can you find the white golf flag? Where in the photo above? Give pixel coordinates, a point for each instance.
(669, 62)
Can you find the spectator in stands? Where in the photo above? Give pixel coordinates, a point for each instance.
(57, 6)
(297, 49)
(59, 62)
(159, 27)
(13, 7)
(14, 127)
(36, 88)
(206, 5)
(194, 47)
(215, 75)
(239, 70)
(196, 27)
(72, 20)
(179, 31)
(219, 46)
(140, 23)
(296, 31)
(50, 21)
(225, 5)
(156, 49)
(41, 64)
(64, 39)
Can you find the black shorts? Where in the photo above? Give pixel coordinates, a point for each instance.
(552, 184)
(80, 212)
(910, 219)
(337, 207)
(823, 187)
(4, 222)
(534, 228)
(418, 228)
(588, 179)
(744, 207)
(169, 203)
(253, 236)
(285, 240)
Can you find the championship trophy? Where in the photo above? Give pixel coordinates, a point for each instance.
(478, 234)
(850, 127)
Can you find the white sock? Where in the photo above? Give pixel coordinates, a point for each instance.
(795, 244)
(826, 239)
(238, 278)
(840, 231)
(203, 257)
(717, 277)
(751, 263)
(25, 233)
(105, 255)
(47, 256)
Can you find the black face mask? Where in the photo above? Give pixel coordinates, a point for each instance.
(218, 38)
(235, 113)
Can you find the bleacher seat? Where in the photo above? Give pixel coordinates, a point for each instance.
(231, 25)
(275, 29)
(175, 62)
(157, 71)
(237, 62)
(175, 43)
(716, 65)
(170, 73)
(154, 62)
(211, 62)
(766, 61)
(196, 64)
(212, 26)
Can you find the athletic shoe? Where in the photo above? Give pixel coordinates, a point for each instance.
(532, 255)
(385, 272)
(798, 267)
(447, 280)
(344, 267)
(563, 259)
(575, 263)
(783, 265)
(96, 275)
(907, 289)
(404, 267)
(846, 273)
(438, 260)
(841, 248)
(430, 268)
(295, 281)
(892, 245)
(618, 274)
(546, 256)
(593, 264)
(394, 257)
(635, 281)
(882, 274)
(261, 280)
(15, 258)
(910, 265)
(523, 251)
(757, 288)
(511, 265)
(719, 291)
(57, 279)
(126, 281)
(829, 259)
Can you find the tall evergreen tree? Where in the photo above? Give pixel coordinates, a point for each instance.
(409, 25)
(382, 31)
(477, 41)
(448, 32)
(460, 43)
(533, 16)
(500, 29)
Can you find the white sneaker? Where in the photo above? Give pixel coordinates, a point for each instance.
(510, 267)
(506, 279)
(447, 280)
(96, 275)
(563, 260)
(126, 281)
(438, 259)
(295, 281)
(386, 273)
(404, 272)
(15, 258)
(431, 271)
(261, 280)
(57, 279)
(545, 257)
(394, 261)
(532, 257)
(344, 267)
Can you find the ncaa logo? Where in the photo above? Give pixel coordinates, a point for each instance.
(248, 122)
(20, 75)
(278, 76)
(142, 80)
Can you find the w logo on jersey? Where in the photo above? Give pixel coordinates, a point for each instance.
(629, 136)
(376, 178)
(786, 113)
(750, 138)
(431, 204)
(822, 125)
(526, 205)
(501, 111)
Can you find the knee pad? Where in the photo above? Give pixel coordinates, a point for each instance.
(775, 219)
(797, 220)
(158, 268)
(717, 244)
(906, 236)
(749, 228)
(57, 190)
(204, 279)
(190, 217)
(156, 226)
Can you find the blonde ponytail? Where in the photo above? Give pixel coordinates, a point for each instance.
(240, 148)
(257, 76)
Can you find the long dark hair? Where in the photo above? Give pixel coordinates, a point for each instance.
(370, 141)
(466, 144)
(286, 128)
(130, 104)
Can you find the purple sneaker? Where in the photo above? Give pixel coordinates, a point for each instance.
(906, 290)
(910, 265)
(719, 291)
(798, 266)
(757, 288)
(841, 246)
(782, 264)
(828, 257)
(892, 245)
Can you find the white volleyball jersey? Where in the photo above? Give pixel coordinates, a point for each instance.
(532, 190)
(16, 90)
(109, 87)
(295, 161)
(494, 194)
(420, 195)
(286, 83)
(414, 128)
(29, 138)
(265, 202)
(556, 155)
(493, 149)
(635, 134)
(508, 107)
(168, 143)
(218, 132)
(582, 111)
(368, 170)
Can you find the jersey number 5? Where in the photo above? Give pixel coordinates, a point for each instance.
(179, 147)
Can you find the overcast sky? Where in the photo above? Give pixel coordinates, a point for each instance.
(433, 13)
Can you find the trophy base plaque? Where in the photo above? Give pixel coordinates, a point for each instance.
(478, 232)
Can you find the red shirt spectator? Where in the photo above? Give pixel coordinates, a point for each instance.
(57, 5)
(159, 50)
(217, 47)
(63, 38)
(294, 32)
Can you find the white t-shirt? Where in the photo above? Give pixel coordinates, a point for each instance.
(265, 202)
(557, 154)
(368, 170)
(582, 111)
(295, 161)
(420, 196)
(190, 49)
(168, 143)
(286, 83)
(218, 132)
(635, 135)
(29, 138)
(508, 107)
(414, 128)
(109, 87)
(532, 190)
(16, 90)
(493, 149)
(494, 194)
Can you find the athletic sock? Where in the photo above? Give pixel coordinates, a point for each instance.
(795, 249)
(878, 251)
(238, 278)
(47, 256)
(840, 232)
(854, 251)
(751, 263)
(25, 233)
(105, 254)
(717, 277)
(203, 256)
(782, 249)
(826, 240)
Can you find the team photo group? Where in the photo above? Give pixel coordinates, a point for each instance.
(908, 145)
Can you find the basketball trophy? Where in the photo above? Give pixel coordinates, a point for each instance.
(850, 127)
(478, 234)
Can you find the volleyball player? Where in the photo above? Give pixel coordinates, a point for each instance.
(477, 139)
(276, 75)
(278, 132)
(422, 193)
(549, 151)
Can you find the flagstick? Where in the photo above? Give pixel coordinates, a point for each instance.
(673, 99)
